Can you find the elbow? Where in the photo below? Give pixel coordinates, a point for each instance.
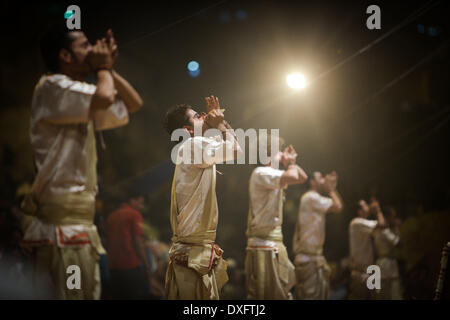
(290, 178)
(136, 105)
(104, 100)
(303, 177)
(336, 208)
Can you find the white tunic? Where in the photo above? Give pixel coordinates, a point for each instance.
(59, 131)
(59, 137)
(310, 232)
(361, 243)
(193, 181)
(265, 192)
(385, 242)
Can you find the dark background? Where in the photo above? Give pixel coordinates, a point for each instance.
(390, 141)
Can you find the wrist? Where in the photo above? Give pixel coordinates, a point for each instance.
(105, 66)
(222, 127)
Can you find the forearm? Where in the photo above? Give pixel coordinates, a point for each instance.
(104, 94)
(380, 219)
(291, 176)
(229, 135)
(127, 93)
(302, 174)
(337, 202)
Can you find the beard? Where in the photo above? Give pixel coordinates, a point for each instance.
(80, 66)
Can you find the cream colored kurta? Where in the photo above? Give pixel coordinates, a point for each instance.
(361, 243)
(311, 267)
(361, 256)
(269, 272)
(61, 205)
(385, 241)
(196, 269)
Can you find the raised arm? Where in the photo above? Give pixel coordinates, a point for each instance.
(215, 119)
(127, 93)
(331, 185)
(100, 60)
(294, 174)
(376, 210)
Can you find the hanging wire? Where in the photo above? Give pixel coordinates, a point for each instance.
(417, 13)
(175, 23)
(414, 15)
(409, 150)
(393, 82)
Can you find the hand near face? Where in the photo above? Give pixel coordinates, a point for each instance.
(100, 56)
(214, 118)
(331, 180)
(290, 155)
(374, 206)
(212, 103)
(112, 44)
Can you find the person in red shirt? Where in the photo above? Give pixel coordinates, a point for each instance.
(127, 261)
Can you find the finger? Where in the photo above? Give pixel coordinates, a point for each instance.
(217, 103)
(213, 101)
(209, 105)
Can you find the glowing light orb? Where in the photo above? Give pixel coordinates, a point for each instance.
(296, 81)
(193, 66)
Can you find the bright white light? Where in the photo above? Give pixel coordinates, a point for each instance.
(296, 81)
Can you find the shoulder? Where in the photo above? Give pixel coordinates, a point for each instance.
(198, 141)
(62, 81)
(311, 196)
(361, 222)
(267, 171)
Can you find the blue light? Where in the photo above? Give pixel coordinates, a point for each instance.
(193, 66)
(194, 74)
(241, 15)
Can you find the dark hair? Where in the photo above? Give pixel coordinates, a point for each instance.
(388, 210)
(310, 177)
(56, 38)
(176, 117)
(357, 206)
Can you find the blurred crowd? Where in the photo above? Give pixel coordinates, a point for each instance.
(418, 259)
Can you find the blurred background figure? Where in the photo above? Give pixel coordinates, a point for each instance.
(339, 279)
(127, 259)
(15, 280)
(158, 255)
(311, 268)
(270, 275)
(385, 241)
(361, 247)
